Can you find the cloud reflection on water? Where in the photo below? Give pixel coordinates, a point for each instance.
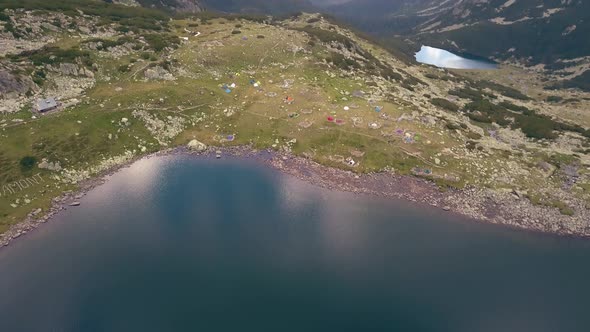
(445, 59)
(340, 224)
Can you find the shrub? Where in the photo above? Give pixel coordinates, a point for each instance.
(4, 17)
(159, 42)
(515, 108)
(236, 32)
(53, 55)
(537, 127)
(502, 89)
(407, 86)
(123, 68)
(411, 80)
(485, 111)
(131, 17)
(473, 135)
(554, 99)
(581, 82)
(444, 104)
(467, 93)
(326, 36)
(39, 77)
(27, 163)
(389, 74)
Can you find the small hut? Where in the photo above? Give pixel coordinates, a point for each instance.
(46, 105)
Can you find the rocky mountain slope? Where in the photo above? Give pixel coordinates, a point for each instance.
(259, 6)
(529, 32)
(132, 81)
(226, 6)
(180, 6)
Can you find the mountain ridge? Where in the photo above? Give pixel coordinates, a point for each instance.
(514, 29)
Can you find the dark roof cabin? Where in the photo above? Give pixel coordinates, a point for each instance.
(44, 105)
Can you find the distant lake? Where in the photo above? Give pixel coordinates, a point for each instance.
(177, 243)
(445, 59)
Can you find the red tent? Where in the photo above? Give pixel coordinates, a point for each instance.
(331, 119)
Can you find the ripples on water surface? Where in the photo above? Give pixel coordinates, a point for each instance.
(180, 244)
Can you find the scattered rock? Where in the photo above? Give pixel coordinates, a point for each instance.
(51, 166)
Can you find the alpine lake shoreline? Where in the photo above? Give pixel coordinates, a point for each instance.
(476, 204)
(380, 105)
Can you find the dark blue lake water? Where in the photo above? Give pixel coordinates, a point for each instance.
(181, 244)
(445, 59)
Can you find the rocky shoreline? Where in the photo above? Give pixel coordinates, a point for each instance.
(480, 204)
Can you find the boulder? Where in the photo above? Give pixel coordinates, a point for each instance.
(87, 72)
(196, 146)
(68, 69)
(158, 73)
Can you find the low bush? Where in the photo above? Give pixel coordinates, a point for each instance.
(159, 42)
(27, 164)
(467, 93)
(502, 89)
(444, 104)
(53, 55)
(473, 135)
(39, 77)
(123, 68)
(554, 99)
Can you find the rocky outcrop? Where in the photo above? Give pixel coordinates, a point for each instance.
(163, 130)
(71, 69)
(158, 73)
(191, 6)
(11, 84)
